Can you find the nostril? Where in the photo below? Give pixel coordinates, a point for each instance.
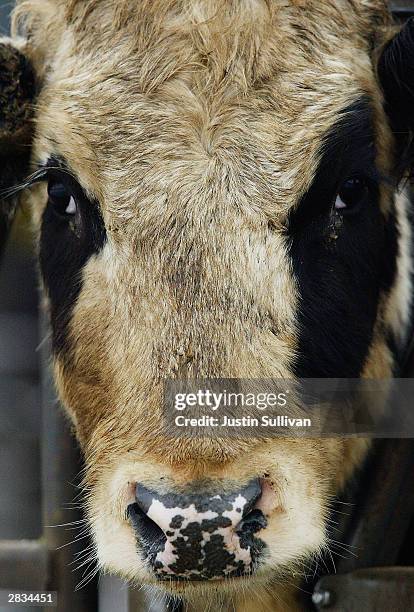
(252, 522)
(253, 496)
(246, 530)
(150, 533)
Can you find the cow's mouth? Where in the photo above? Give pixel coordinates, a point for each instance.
(199, 536)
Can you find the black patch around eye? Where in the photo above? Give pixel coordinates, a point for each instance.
(64, 251)
(348, 150)
(341, 269)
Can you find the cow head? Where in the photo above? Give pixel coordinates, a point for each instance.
(220, 197)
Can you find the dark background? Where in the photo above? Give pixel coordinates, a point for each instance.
(19, 378)
(4, 15)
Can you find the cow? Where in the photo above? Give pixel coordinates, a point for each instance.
(218, 190)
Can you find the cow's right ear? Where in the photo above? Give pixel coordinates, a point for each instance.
(17, 95)
(396, 76)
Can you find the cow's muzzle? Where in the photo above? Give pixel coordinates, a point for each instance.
(199, 534)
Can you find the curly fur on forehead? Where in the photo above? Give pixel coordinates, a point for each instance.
(203, 64)
(311, 21)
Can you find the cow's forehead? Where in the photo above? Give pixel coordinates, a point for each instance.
(189, 96)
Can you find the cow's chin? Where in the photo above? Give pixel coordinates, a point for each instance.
(293, 534)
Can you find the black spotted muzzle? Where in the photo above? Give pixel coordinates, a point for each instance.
(200, 534)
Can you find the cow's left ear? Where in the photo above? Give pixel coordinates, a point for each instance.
(396, 75)
(17, 94)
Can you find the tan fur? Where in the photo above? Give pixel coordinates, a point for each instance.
(197, 126)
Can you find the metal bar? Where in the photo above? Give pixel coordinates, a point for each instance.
(140, 600)
(23, 565)
(402, 8)
(115, 594)
(373, 589)
(61, 464)
(382, 504)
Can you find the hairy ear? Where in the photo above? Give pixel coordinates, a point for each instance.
(396, 75)
(17, 92)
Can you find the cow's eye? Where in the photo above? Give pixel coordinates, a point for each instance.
(351, 195)
(61, 199)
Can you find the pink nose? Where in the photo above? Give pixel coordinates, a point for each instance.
(199, 535)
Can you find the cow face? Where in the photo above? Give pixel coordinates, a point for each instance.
(218, 199)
